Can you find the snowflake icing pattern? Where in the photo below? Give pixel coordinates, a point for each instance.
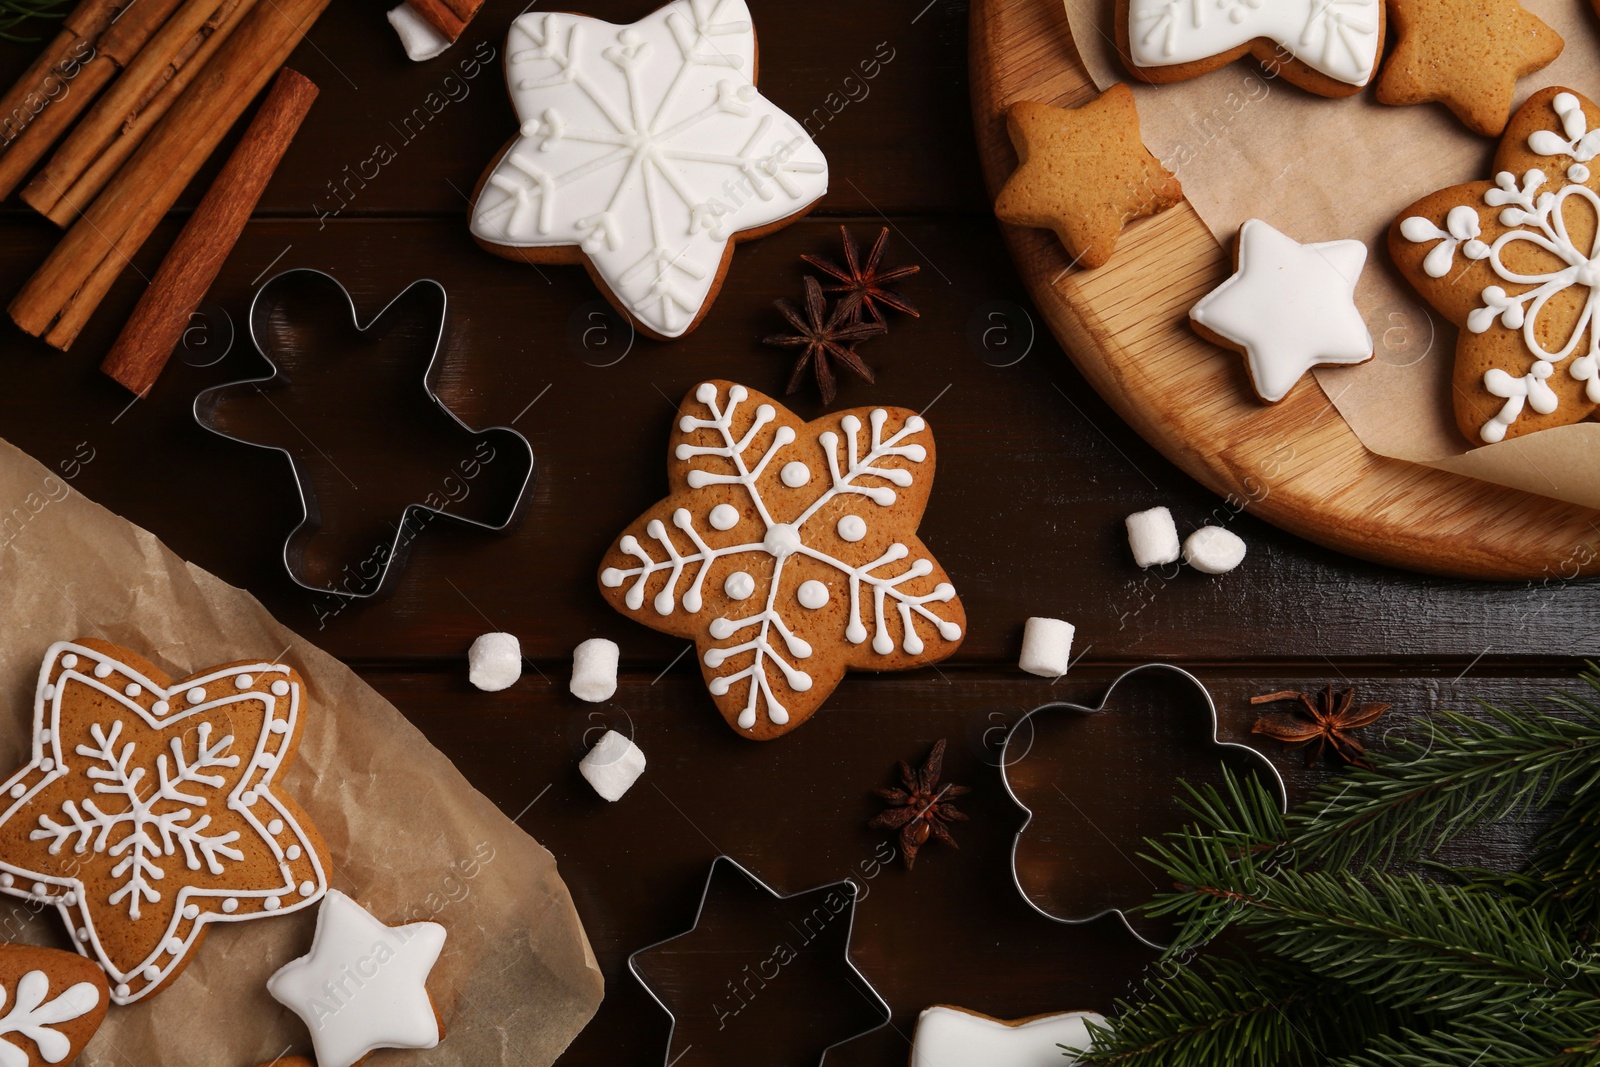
(1528, 245)
(147, 812)
(1336, 37)
(809, 547)
(648, 147)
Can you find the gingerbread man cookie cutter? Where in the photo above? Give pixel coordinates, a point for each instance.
(857, 981)
(1024, 736)
(391, 558)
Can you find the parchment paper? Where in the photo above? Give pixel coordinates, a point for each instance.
(1246, 145)
(410, 838)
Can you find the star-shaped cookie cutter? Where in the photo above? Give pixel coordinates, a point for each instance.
(858, 980)
(1024, 728)
(310, 517)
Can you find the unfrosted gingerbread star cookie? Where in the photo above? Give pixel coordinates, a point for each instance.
(787, 551)
(1467, 55)
(1288, 307)
(149, 809)
(1330, 47)
(1083, 173)
(645, 153)
(1514, 263)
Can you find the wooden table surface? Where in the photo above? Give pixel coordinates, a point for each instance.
(1035, 477)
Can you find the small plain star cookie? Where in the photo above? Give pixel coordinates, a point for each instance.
(1288, 307)
(1467, 55)
(1328, 47)
(1083, 173)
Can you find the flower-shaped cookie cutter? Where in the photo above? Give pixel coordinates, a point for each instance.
(1030, 763)
(847, 889)
(392, 558)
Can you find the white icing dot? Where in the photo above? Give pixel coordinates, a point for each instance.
(69, 899)
(152, 973)
(275, 827)
(812, 594)
(82, 932)
(102, 670)
(307, 888)
(160, 707)
(39, 889)
(122, 990)
(247, 798)
(272, 903)
(724, 517)
(69, 661)
(230, 905)
(292, 852)
(795, 474)
(8, 879)
(49, 692)
(47, 765)
(174, 946)
(852, 528)
(44, 737)
(244, 681)
(739, 585)
(280, 688)
(279, 726)
(18, 791)
(1578, 172)
(191, 911)
(195, 695)
(132, 689)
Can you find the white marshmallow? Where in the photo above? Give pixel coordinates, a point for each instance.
(1153, 536)
(1046, 647)
(1213, 550)
(494, 662)
(594, 670)
(612, 765)
(420, 40)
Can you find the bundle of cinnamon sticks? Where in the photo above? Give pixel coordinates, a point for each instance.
(133, 96)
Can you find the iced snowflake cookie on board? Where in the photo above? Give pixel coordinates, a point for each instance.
(51, 1004)
(1515, 262)
(1467, 55)
(149, 809)
(645, 153)
(1329, 47)
(948, 1036)
(788, 551)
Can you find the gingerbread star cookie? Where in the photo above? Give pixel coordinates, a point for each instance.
(1467, 55)
(1288, 307)
(1514, 262)
(53, 1003)
(150, 810)
(1083, 173)
(1329, 47)
(788, 552)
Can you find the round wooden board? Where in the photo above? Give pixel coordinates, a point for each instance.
(1297, 463)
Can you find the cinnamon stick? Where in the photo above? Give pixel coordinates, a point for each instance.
(162, 57)
(65, 290)
(163, 312)
(114, 49)
(440, 16)
(55, 65)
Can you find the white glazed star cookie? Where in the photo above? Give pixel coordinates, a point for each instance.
(1288, 307)
(647, 152)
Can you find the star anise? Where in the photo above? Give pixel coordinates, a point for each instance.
(824, 338)
(866, 284)
(1325, 722)
(922, 808)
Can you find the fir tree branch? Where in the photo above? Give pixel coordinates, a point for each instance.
(1544, 1033)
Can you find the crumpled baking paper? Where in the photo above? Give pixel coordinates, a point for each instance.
(410, 838)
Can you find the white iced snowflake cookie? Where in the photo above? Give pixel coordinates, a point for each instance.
(955, 1037)
(1515, 263)
(783, 582)
(1288, 307)
(363, 985)
(149, 808)
(646, 149)
(1330, 47)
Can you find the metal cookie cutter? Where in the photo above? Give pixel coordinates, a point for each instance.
(876, 1004)
(393, 556)
(1038, 759)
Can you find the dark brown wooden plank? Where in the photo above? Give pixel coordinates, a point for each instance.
(897, 141)
(954, 930)
(1035, 476)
